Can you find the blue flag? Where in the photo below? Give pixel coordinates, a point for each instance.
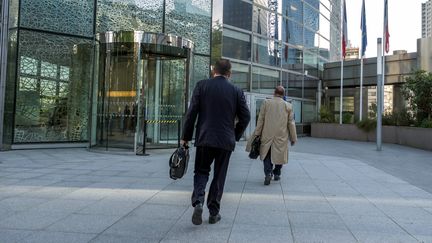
(363, 29)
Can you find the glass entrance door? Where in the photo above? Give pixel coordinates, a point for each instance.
(165, 100)
(140, 96)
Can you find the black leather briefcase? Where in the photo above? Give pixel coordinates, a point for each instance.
(178, 162)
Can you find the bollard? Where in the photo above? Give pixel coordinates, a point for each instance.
(178, 132)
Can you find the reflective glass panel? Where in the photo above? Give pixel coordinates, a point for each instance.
(50, 105)
(295, 84)
(201, 70)
(266, 51)
(310, 88)
(293, 9)
(264, 80)
(64, 16)
(309, 112)
(240, 75)
(114, 15)
(292, 58)
(190, 19)
(311, 63)
(237, 13)
(311, 17)
(236, 45)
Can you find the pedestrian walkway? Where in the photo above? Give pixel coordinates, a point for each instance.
(72, 195)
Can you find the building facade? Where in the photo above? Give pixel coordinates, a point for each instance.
(82, 71)
(398, 67)
(278, 42)
(427, 19)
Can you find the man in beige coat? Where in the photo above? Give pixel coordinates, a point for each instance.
(276, 126)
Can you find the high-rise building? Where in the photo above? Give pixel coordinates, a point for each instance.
(427, 19)
(279, 42)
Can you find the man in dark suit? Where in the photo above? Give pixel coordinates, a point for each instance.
(217, 103)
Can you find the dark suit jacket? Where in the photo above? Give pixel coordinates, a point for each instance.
(217, 103)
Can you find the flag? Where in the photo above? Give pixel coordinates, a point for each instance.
(287, 36)
(386, 28)
(345, 31)
(363, 29)
(258, 32)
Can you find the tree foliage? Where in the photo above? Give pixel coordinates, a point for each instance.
(418, 91)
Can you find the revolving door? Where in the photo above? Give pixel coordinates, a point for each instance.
(140, 95)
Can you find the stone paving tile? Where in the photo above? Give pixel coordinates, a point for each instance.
(131, 195)
(266, 217)
(141, 227)
(84, 223)
(307, 235)
(157, 211)
(62, 205)
(89, 194)
(318, 206)
(370, 223)
(111, 238)
(55, 237)
(13, 235)
(184, 232)
(108, 207)
(380, 237)
(360, 207)
(260, 233)
(20, 203)
(31, 220)
(316, 221)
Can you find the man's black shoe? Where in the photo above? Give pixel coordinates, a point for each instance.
(214, 219)
(267, 180)
(197, 214)
(276, 177)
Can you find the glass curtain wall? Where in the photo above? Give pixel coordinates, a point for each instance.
(53, 71)
(282, 42)
(51, 56)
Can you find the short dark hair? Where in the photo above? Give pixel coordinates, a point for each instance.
(222, 67)
(279, 90)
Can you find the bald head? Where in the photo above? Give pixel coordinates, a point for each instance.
(279, 91)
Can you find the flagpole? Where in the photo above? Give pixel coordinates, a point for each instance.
(361, 88)
(379, 97)
(342, 64)
(362, 53)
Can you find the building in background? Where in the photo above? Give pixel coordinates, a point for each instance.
(399, 66)
(57, 92)
(427, 19)
(352, 52)
(273, 42)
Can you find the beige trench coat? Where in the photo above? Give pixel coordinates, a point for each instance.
(276, 126)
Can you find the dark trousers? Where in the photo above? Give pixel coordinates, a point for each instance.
(268, 166)
(203, 160)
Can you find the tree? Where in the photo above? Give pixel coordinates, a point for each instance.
(418, 91)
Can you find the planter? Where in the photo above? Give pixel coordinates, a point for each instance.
(409, 136)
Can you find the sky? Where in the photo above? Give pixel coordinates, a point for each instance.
(404, 24)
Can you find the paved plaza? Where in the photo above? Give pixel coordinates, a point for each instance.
(331, 191)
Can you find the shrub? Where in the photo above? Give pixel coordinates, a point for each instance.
(347, 118)
(367, 125)
(401, 118)
(426, 123)
(326, 115)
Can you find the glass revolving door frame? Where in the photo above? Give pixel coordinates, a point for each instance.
(126, 55)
